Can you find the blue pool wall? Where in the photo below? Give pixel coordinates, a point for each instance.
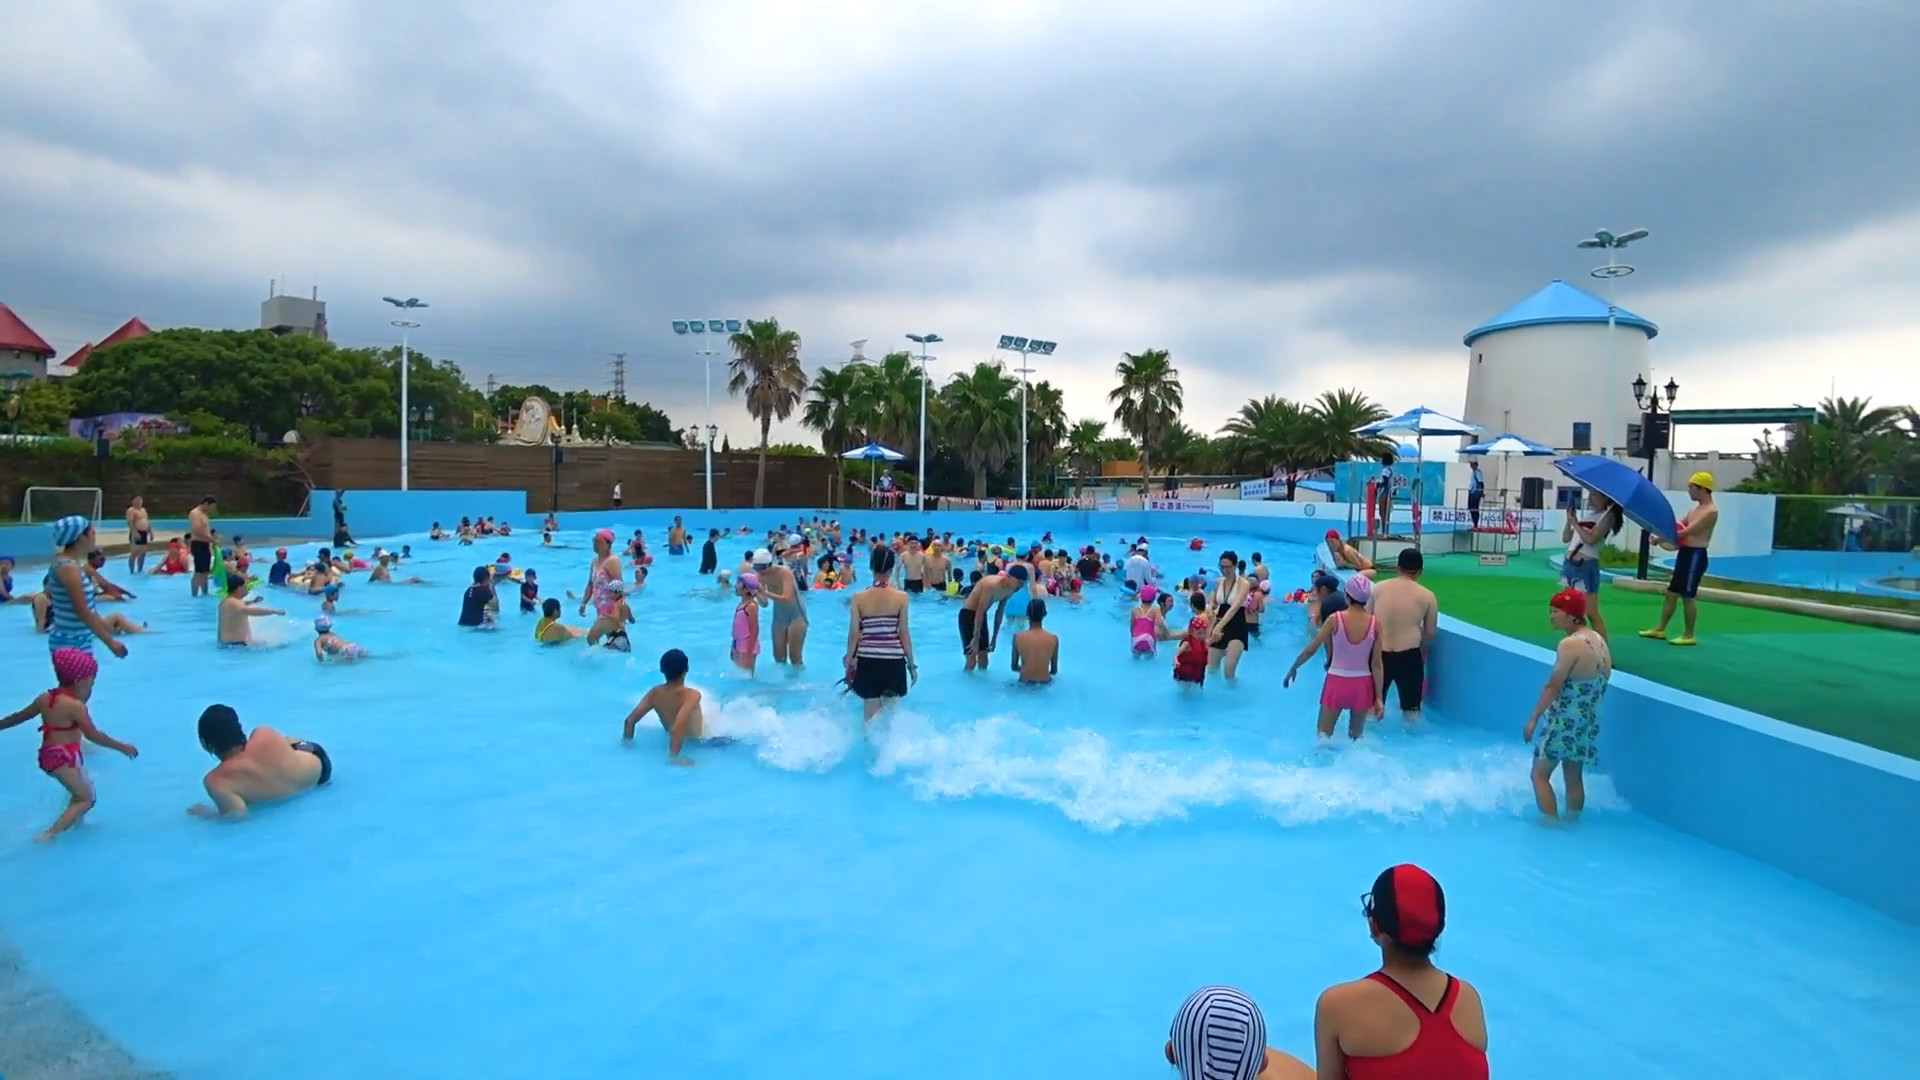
(1845, 571)
(1804, 802)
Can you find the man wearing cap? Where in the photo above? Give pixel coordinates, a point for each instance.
(200, 544)
(1219, 1034)
(1409, 1018)
(1343, 558)
(1690, 560)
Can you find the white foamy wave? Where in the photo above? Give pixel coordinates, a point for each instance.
(1085, 776)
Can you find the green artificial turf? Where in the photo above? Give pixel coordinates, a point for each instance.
(1854, 682)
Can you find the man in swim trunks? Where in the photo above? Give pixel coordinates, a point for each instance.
(781, 589)
(913, 568)
(1343, 558)
(200, 544)
(236, 615)
(263, 767)
(1690, 562)
(976, 639)
(676, 704)
(1409, 619)
(139, 535)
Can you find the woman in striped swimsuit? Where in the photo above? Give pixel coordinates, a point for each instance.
(70, 592)
(879, 658)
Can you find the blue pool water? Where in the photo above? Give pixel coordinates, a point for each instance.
(997, 883)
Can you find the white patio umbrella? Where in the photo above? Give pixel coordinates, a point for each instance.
(1507, 446)
(1850, 514)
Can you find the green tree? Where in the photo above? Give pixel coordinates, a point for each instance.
(835, 409)
(41, 407)
(981, 419)
(1046, 426)
(766, 369)
(1147, 401)
(1269, 434)
(1332, 420)
(793, 449)
(889, 399)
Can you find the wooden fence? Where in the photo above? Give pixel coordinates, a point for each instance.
(581, 479)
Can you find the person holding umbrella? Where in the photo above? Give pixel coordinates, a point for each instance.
(1690, 560)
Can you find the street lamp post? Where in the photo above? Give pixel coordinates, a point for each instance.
(923, 340)
(1027, 348)
(409, 305)
(1611, 274)
(1647, 399)
(706, 353)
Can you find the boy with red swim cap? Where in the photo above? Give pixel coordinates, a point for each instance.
(64, 721)
(1409, 1018)
(1570, 705)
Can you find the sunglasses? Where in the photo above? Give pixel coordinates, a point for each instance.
(1366, 904)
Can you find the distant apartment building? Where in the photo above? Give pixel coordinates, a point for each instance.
(286, 315)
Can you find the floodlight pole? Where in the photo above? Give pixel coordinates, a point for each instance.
(408, 305)
(706, 353)
(1611, 274)
(924, 340)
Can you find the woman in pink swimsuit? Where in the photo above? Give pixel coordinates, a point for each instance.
(1354, 681)
(64, 721)
(746, 623)
(606, 602)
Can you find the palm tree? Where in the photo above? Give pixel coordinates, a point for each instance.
(1147, 402)
(981, 412)
(1046, 425)
(1083, 446)
(766, 368)
(1848, 443)
(1268, 435)
(1185, 450)
(892, 400)
(1333, 418)
(833, 409)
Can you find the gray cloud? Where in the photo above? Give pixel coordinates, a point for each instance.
(616, 170)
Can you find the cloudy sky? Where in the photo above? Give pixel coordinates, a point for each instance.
(1288, 196)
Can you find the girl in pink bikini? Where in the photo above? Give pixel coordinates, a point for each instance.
(746, 623)
(64, 721)
(1354, 681)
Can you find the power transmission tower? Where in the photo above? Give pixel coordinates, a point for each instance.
(492, 384)
(619, 376)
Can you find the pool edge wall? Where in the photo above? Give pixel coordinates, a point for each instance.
(1823, 809)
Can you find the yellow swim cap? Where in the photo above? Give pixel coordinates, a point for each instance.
(1701, 480)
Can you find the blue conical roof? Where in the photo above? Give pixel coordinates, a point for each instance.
(1559, 302)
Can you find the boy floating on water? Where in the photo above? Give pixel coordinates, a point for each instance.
(64, 721)
(261, 767)
(328, 645)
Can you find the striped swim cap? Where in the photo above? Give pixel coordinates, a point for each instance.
(1219, 1034)
(69, 529)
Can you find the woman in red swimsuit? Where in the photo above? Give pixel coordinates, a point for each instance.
(1409, 1020)
(64, 721)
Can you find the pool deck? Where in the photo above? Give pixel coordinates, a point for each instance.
(1852, 682)
(42, 1037)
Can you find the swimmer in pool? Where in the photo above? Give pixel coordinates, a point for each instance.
(263, 767)
(236, 615)
(328, 645)
(550, 630)
(64, 721)
(976, 637)
(746, 623)
(383, 572)
(676, 704)
(1036, 650)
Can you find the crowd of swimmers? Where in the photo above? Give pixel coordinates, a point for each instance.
(1370, 632)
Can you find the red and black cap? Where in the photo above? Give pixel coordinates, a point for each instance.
(1408, 906)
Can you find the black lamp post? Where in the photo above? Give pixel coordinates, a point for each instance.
(1647, 399)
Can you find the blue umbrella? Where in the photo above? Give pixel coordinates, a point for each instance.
(874, 453)
(1643, 504)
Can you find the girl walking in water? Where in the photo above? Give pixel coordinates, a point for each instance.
(746, 623)
(1355, 682)
(1570, 705)
(879, 660)
(1190, 662)
(64, 721)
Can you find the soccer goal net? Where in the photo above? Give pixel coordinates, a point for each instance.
(47, 504)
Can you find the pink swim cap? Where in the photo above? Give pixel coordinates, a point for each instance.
(1147, 593)
(72, 665)
(1359, 589)
(750, 581)
(603, 534)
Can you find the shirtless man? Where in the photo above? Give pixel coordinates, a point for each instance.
(139, 535)
(236, 615)
(1690, 564)
(779, 588)
(1409, 618)
(1345, 556)
(676, 704)
(1036, 650)
(913, 568)
(263, 767)
(938, 568)
(976, 638)
(200, 544)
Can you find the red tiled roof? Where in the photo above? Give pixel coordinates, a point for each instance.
(17, 335)
(132, 328)
(79, 356)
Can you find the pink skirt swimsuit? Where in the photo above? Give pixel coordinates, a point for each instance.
(1349, 683)
(745, 642)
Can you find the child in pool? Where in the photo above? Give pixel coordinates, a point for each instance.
(746, 623)
(1190, 662)
(328, 645)
(530, 593)
(550, 630)
(1145, 623)
(64, 721)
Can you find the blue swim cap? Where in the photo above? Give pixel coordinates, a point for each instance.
(69, 529)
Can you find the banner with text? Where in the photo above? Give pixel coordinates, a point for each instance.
(1462, 518)
(1108, 503)
(1181, 506)
(1255, 489)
